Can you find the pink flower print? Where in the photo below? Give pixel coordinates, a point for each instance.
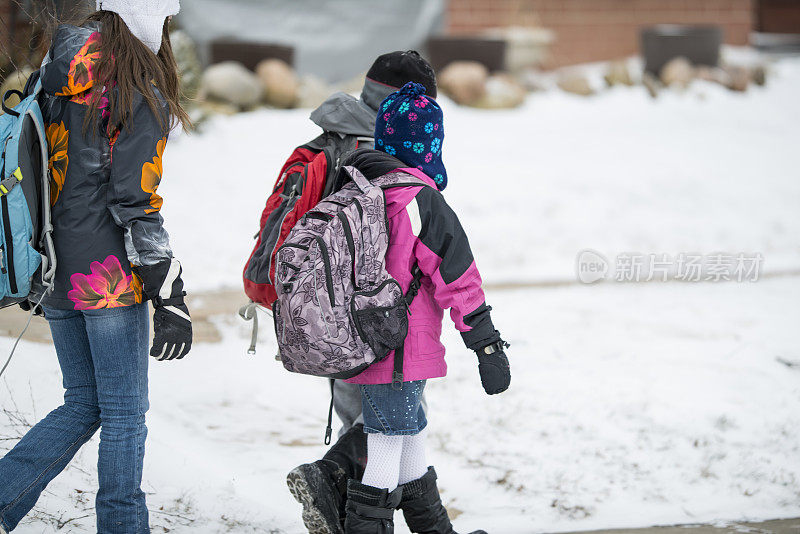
(412, 116)
(389, 130)
(421, 102)
(428, 157)
(107, 286)
(436, 126)
(387, 116)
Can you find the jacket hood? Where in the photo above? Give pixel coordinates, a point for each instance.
(68, 68)
(348, 115)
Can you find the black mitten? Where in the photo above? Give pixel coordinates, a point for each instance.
(172, 325)
(494, 368)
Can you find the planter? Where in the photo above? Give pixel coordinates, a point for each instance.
(699, 44)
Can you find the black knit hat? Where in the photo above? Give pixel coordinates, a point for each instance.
(396, 69)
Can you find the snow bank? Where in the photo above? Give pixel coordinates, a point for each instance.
(703, 171)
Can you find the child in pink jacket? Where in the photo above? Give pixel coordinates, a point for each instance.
(425, 234)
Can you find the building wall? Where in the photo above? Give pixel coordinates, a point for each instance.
(779, 16)
(592, 30)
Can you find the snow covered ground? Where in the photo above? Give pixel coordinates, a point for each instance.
(703, 171)
(631, 404)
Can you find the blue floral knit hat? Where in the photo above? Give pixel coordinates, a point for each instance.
(410, 127)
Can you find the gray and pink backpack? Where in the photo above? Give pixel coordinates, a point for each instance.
(338, 309)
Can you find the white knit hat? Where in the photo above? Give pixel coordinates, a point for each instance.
(145, 18)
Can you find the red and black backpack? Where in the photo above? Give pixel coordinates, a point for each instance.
(307, 177)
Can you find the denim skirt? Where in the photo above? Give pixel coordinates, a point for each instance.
(393, 412)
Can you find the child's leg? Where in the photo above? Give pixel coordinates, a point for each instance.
(413, 464)
(383, 461)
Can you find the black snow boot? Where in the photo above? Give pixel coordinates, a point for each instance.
(423, 509)
(370, 510)
(321, 486)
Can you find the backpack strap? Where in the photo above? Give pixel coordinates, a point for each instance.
(399, 353)
(363, 184)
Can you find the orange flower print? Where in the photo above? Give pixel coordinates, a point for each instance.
(151, 177)
(57, 142)
(79, 77)
(107, 286)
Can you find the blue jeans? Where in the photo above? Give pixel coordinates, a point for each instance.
(103, 356)
(393, 412)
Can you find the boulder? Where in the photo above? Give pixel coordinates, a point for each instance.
(312, 92)
(617, 73)
(232, 83)
(279, 83)
(15, 80)
(532, 80)
(575, 83)
(678, 72)
(712, 74)
(502, 92)
(189, 68)
(759, 74)
(739, 78)
(651, 83)
(464, 81)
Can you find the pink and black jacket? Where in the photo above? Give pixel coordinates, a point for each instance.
(424, 231)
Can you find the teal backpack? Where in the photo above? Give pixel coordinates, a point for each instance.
(27, 257)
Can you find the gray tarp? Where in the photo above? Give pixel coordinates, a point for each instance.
(333, 39)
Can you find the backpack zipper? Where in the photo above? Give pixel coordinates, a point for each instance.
(327, 265)
(351, 245)
(12, 279)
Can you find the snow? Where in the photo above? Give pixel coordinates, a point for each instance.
(631, 404)
(703, 171)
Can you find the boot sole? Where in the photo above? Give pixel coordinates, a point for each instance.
(320, 514)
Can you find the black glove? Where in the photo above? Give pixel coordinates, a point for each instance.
(172, 325)
(494, 368)
(26, 306)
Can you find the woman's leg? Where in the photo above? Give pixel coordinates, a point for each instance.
(119, 339)
(48, 447)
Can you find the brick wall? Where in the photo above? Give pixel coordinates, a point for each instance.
(592, 30)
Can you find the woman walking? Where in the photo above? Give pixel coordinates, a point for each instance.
(110, 98)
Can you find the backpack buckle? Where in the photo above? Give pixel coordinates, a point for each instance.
(8, 184)
(397, 381)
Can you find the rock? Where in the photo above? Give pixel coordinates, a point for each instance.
(759, 75)
(678, 72)
(189, 68)
(15, 80)
(232, 83)
(712, 74)
(279, 83)
(575, 83)
(618, 73)
(739, 78)
(464, 81)
(651, 83)
(532, 80)
(312, 92)
(502, 92)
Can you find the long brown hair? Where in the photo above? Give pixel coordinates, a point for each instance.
(127, 65)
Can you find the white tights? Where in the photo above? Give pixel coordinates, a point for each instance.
(394, 460)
